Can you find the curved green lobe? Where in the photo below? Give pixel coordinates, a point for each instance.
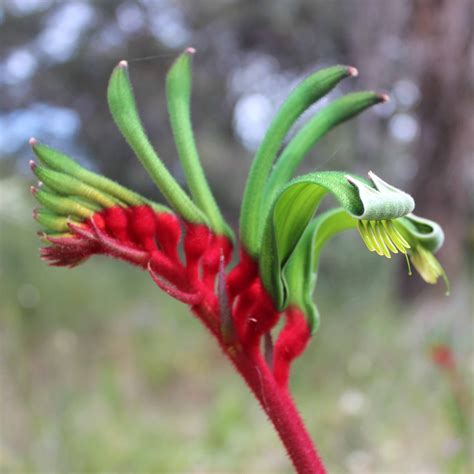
(420, 230)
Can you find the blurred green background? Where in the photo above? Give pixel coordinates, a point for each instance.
(101, 372)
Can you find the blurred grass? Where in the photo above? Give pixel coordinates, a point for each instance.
(101, 372)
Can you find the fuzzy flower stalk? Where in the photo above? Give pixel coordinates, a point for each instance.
(238, 287)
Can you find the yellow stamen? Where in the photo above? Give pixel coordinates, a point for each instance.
(386, 238)
(372, 234)
(365, 237)
(377, 227)
(396, 237)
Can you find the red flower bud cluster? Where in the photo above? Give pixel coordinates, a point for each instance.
(184, 260)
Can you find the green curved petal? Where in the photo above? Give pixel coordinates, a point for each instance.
(421, 230)
(295, 206)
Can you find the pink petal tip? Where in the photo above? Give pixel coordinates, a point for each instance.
(353, 71)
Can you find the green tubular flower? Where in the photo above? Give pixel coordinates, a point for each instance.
(59, 162)
(178, 95)
(124, 111)
(293, 209)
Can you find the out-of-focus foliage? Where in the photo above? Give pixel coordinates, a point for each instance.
(92, 374)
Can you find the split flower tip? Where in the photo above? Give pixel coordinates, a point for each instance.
(384, 97)
(33, 165)
(33, 190)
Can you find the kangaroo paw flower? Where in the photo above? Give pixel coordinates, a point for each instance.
(187, 247)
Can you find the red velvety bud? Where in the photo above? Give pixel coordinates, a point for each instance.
(219, 245)
(196, 241)
(292, 341)
(263, 318)
(242, 309)
(143, 227)
(99, 221)
(116, 221)
(254, 314)
(242, 275)
(168, 233)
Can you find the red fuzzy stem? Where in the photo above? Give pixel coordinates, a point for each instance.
(275, 401)
(281, 410)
